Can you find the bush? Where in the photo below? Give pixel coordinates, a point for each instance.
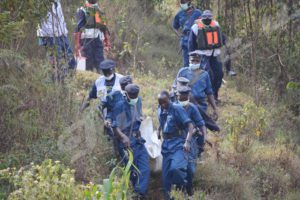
(46, 181)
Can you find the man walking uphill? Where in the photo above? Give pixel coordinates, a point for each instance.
(182, 24)
(91, 34)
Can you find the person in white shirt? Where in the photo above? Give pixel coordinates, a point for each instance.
(53, 34)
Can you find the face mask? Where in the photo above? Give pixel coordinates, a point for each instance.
(109, 77)
(194, 66)
(184, 6)
(184, 103)
(206, 21)
(133, 102)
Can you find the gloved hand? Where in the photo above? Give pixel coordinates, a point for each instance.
(77, 49)
(107, 44)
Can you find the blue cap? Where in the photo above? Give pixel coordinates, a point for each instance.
(183, 89)
(107, 64)
(132, 89)
(125, 80)
(183, 80)
(207, 14)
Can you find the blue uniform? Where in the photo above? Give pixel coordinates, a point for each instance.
(128, 119)
(111, 100)
(184, 21)
(200, 85)
(194, 114)
(173, 123)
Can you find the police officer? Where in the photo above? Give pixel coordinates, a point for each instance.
(115, 97)
(182, 24)
(104, 85)
(91, 34)
(199, 81)
(174, 122)
(206, 38)
(197, 142)
(181, 81)
(201, 89)
(127, 117)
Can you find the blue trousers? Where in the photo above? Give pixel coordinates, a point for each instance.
(175, 163)
(185, 50)
(215, 70)
(192, 164)
(140, 179)
(63, 49)
(93, 51)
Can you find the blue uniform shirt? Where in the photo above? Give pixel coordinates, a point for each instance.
(173, 120)
(194, 114)
(185, 20)
(127, 117)
(111, 101)
(200, 84)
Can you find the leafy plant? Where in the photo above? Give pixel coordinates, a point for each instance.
(115, 187)
(46, 181)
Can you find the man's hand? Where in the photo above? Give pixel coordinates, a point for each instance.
(77, 49)
(202, 131)
(107, 123)
(215, 114)
(126, 141)
(187, 146)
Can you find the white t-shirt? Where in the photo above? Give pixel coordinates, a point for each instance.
(54, 24)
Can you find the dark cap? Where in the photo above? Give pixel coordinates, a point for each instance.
(183, 89)
(132, 89)
(107, 64)
(125, 80)
(183, 80)
(195, 53)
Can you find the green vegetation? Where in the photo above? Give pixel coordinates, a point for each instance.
(255, 156)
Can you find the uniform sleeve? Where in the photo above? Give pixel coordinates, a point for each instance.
(114, 116)
(182, 117)
(208, 90)
(93, 92)
(176, 24)
(196, 117)
(192, 43)
(81, 21)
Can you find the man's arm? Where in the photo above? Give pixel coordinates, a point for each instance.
(192, 43)
(92, 95)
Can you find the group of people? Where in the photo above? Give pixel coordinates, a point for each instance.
(182, 112)
(91, 36)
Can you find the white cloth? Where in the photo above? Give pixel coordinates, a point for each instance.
(152, 145)
(217, 52)
(54, 24)
(101, 88)
(92, 33)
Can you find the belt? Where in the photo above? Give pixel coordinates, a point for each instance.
(168, 136)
